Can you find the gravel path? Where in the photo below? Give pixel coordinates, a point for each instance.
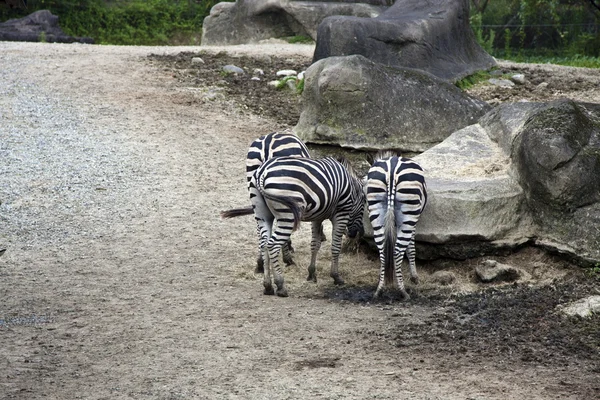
(120, 281)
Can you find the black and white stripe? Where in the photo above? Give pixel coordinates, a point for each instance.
(287, 190)
(396, 196)
(272, 145)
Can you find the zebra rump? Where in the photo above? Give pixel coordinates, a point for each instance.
(396, 196)
(273, 145)
(287, 190)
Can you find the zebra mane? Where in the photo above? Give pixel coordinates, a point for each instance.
(344, 161)
(383, 154)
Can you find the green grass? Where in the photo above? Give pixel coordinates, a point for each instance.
(299, 39)
(472, 80)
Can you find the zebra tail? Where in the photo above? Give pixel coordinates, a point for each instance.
(292, 204)
(389, 244)
(237, 212)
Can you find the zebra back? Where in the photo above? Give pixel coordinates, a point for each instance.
(319, 188)
(273, 145)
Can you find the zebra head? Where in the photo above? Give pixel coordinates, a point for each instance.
(358, 199)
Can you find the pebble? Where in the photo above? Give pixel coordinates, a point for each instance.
(501, 82)
(286, 72)
(519, 79)
(197, 60)
(232, 69)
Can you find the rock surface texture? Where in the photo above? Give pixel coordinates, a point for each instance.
(354, 102)
(527, 172)
(37, 27)
(433, 36)
(250, 21)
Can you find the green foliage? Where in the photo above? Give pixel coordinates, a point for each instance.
(473, 79)
(125, 22)
(524, 28)
(300, 86)
(594, 272)
(299, 39)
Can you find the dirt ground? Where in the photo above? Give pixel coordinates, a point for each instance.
(120, 281)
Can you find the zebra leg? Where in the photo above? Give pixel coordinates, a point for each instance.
(381, 283)
(264, 220)
(340, 222)
(260, 262)
(283, 227)
(402, 242)
(265, 233)
(315, 245)
(274, 245)
(287, 251)
(410, 253)
(322, 234)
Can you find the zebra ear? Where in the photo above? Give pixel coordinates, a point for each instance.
(370, 159)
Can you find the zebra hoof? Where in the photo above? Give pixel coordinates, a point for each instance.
(282, 292)
(269, 291)
(404, 295)
(337, 280)
(312, 277)
(414, 279)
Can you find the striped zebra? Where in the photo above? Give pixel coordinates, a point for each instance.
(396, 196)
(269, 146)
(287, 190)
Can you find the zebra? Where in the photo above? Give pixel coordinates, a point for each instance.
(396, 197)
(287, 190)
(275, 144)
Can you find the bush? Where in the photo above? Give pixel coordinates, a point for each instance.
(125, 22)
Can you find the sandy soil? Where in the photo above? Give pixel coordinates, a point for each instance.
(120, 280)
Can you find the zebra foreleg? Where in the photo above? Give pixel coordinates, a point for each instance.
(339, 227)
(315, 245)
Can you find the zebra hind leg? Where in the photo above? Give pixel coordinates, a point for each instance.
(287, 251)
(410, 253)
(260, 262)
(399, 256)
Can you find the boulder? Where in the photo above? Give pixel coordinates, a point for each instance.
(493, 271)
(39, 26)
(250, 21)
(557, 155)
(354, 102)
(433, 36)
(526, 173)
(475, 205)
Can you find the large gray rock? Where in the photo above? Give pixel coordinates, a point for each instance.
(558, 158)
(475, 205)
(433, 36)
(354, 102)
(39, 26)
(527, 172)
(250, 21)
